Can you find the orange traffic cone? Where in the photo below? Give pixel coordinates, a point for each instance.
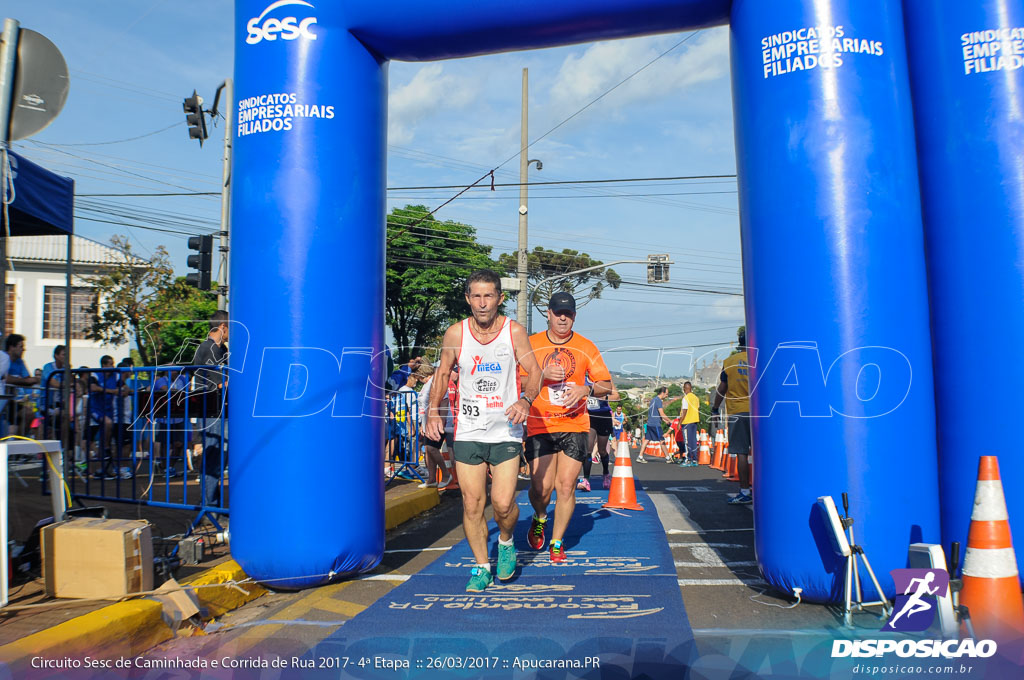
(653, 450)
(716, 459)
(705, 453)
(719, 450)
(750, 468)
(991, 589)
(622, 495)
(449, 470)
(733, 471)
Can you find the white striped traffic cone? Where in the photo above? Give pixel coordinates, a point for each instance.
(991, 589)
(622, 495)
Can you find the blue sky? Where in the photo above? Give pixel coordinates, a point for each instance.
(132, 63)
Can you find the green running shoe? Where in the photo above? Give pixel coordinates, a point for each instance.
(506, 561)
(480, 579)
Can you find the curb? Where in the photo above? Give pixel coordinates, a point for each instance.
(126, 629)
(408, 505)
(213, 601)
(122, 629)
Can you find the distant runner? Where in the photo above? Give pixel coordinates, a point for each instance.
(601, 427)
(655, 414)
(489, 417)
(618, 420)
(557, 443)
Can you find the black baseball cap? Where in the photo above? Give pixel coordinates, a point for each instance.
(562, 302)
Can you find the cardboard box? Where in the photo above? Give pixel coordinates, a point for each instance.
(97, 558)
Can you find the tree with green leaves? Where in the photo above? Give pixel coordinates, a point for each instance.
(179, 322)
(428, 262)
(137, 293)
(543, 264)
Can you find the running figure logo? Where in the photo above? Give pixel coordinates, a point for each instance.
(914, 610)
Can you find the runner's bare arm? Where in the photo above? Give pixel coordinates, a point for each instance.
(603, 388)
(526, 359)
(435, 419)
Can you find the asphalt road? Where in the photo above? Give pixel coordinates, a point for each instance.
(733, 613)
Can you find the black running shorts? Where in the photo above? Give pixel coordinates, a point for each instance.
(573, 444)
(739, 433)
(601, 423)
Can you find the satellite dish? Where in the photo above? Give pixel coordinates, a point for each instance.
(40, 84)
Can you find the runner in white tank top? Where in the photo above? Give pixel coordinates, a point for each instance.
(488, 385)
(490, 413)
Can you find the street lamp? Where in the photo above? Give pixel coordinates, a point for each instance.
(660, 262)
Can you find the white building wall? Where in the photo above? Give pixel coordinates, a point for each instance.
(28, 321)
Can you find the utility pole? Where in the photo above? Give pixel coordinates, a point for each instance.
(8, 57)
(224, 271)
(523, 304)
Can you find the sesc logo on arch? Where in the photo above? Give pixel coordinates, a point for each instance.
(266, 27)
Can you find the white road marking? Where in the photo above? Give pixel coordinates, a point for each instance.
(611, 510)
(743, 563)
(676, 519)
(692, 489)
(747, 632)
(384, 577)
(703, 531)
(673, 514)
(405, 550)
(721, 582)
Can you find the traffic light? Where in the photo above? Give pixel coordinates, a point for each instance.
(195, 118)
(202, 261)
(657, 268)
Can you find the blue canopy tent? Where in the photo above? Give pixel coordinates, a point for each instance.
(41, 203)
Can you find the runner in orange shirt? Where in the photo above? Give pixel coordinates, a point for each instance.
(558, 424)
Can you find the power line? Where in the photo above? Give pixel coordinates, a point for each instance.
(115, 141)
(594, 101)
(619, 195)
(142, 226)
(573, 181)
(149, 195)
(601, 96)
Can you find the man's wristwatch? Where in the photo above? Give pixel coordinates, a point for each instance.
(527, 400)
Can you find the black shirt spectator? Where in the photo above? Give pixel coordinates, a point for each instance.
(212, 352)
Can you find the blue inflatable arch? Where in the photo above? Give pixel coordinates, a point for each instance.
(834, 256)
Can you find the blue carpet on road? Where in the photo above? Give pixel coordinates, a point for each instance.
(612, 610)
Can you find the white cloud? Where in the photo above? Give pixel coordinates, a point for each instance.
(601, 66)
(429, 92)
(727, 309)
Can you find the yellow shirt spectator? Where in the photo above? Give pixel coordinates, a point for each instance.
(735, 375)
(692, 409)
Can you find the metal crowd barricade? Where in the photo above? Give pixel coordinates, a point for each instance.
(402, 448)
(152, 436)
(18, 410)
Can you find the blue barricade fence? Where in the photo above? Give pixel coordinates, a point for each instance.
(152, 436)
(402, 448)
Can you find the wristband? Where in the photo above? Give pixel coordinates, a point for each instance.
(591, 390)
(527, 400)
